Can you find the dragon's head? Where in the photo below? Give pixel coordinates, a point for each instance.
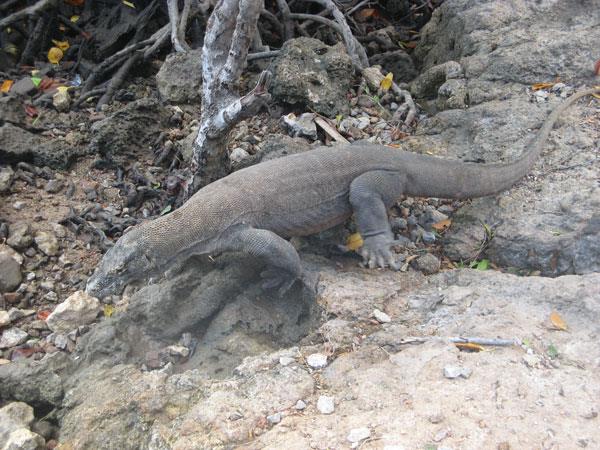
(125, 262)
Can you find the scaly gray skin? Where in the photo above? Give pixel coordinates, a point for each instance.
(254, 209)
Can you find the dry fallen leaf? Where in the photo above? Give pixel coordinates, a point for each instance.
(597, 67)
(109, 310)
(442, 225)
(6, 85)
(354, 242)
(55, 54)
(538, 86)
(558, 321)
(63, 45)
(469, 347)
(364, 14)
(386, 83)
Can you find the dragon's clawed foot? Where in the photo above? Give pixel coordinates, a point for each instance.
(376, 252)
(282, 280)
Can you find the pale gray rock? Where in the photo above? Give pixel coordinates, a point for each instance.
(4, 318)
(428, 264)
(381, 317)
(24, 439)
(311, 75)
(274, 419)
(358, 434)
(179, 79)
(15, 420)
(19, 235)
(549, 223)
(300, 126)
(78, 309)
(10, 273)
(9, 251)
(326, 404)
(452, 372)
(6, 178)
(62, 101)
(317, 360)
(47, 242)
(11, 337)
(18, 144)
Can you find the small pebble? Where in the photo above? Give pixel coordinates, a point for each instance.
(358, 434)
(4, 318)
(326, 404)
(441, 435)
(452, 372)
(317, 360)
(428, 264)
(381, 317)
(300, 405)
(286, 360)
(274, 418)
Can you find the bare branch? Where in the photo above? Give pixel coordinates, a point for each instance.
(217, 39)
(288, 25)
(183, 20)
(30, 11)
(177, 37)
(315, 18)
(354, 48)
(245, 30)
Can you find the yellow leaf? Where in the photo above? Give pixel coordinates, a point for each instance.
(442, 225)
(62, 88)
(63, 45)
(131, 5)
(469, 347)
(55, 54)
(74, 19)
(538, 86)
(354, 242)
(558, 321)
(109, 310)
(386, 83)
(6, 85)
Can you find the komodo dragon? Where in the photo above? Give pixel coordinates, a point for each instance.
(254, 209)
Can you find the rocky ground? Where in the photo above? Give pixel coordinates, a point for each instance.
(206, 359)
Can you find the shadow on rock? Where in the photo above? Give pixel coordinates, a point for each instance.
(209, 317)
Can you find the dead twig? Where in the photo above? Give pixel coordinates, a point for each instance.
(263, 55)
